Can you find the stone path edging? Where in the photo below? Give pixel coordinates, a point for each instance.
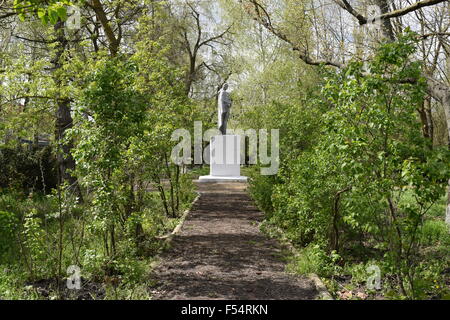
(168, 237)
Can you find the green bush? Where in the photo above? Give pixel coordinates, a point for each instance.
(435, 231)
(365, 184)
(261, 189)
(8, 228)
(11, 202)
(12, 285)
(313, 259)
(186, 191)
(27, 169)
(33, 246)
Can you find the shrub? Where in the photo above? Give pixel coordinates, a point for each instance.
(261, 190)
(27, 168)
(313, 259)
(370, 178)
(434, 231)
(8, 228)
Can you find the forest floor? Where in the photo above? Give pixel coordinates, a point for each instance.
(220, 253)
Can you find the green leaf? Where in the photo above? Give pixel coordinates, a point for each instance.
(53, 16)
(41, 13)
(62, 12)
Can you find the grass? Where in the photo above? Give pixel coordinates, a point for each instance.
(196, 172)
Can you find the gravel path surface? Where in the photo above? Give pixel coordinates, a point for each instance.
(221, 254)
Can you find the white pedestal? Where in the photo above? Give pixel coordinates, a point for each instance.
(225, 159)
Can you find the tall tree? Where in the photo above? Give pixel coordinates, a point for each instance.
(436, 88)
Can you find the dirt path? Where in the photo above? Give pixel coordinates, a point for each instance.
(220, 254)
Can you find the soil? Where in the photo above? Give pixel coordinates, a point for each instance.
(221, 254)
(88, 291)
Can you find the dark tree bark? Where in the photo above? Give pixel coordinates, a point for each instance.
(113, 39)
(64, 121)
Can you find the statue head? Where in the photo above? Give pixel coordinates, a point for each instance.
(225, 86)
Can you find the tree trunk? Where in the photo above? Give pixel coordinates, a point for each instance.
(114, 41)
(430, 118)
(64, 121)
(424, 120)
(446, 104)
(386, 26)
(191, 74)
(171, 187)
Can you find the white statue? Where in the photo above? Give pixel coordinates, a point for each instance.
(224, 108)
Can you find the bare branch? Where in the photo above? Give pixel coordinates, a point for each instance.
(434, 34)
(219, 36)
(9, 14)
(346, 6)
(408, 9)
(388, 15)
(263, 18)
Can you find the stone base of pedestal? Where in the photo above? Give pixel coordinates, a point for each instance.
(225, 157)
(222, 179)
